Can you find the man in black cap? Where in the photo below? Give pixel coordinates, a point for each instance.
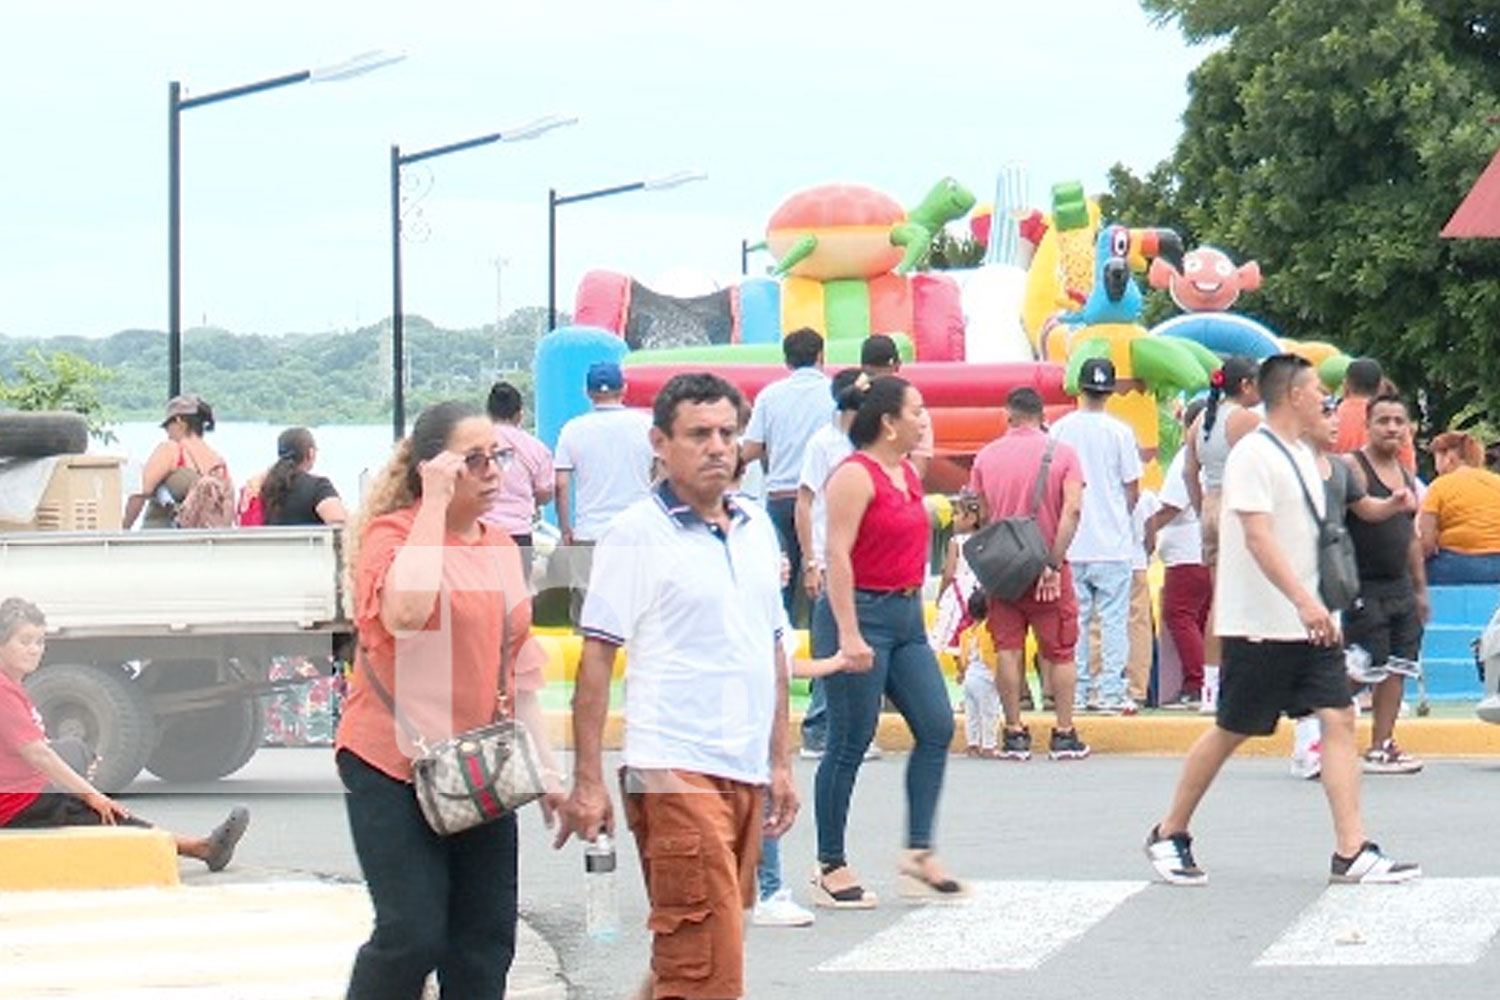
(1102, 548)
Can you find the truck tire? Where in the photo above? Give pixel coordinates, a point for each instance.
(38, 435)
(104, 708)
(209, 742)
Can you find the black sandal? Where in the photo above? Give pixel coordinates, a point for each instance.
(916, 884)
(853, 897)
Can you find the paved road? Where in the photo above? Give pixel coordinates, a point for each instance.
(1063, 906)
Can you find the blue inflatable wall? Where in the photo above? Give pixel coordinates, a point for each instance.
(562, 360)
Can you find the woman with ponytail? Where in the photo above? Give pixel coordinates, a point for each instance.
(1226, 417)
(436, 592)
(877, 562)
(290, 493)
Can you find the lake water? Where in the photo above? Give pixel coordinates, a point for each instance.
(345, 451)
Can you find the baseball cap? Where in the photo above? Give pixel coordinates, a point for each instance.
(1097, 375)
(187, 405)
(605, 376)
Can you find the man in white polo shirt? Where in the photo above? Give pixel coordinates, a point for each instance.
(688, 581)
(787, 413)
(606, 452)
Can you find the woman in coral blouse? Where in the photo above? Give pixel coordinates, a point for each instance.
(432, 587)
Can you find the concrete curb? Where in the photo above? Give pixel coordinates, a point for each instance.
(1155, 732)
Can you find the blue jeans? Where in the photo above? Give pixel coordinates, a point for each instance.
(1105, 587)
(823, 638)
(441, 903)
(783, 511)
(1447, 566)
(768, 869)
(907, 670)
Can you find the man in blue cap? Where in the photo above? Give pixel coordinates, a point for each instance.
(606, 454)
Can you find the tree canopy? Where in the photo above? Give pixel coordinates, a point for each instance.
(314, 379)
(1330, 142)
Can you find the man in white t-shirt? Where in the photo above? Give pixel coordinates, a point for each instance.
(606, 454)
(1101, 551)
(1282, 647)
(688, 580)
(787, 413)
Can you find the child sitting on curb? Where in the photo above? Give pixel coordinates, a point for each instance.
(38, 787)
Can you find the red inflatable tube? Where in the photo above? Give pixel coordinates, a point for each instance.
(963, 430)
(943, 384)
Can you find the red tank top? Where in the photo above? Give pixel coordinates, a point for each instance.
(890, 549)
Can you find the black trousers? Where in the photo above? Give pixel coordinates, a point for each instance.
(443, 904)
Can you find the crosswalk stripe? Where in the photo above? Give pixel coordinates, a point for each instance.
(1005, 926)
(1427, 922)
(286, 941)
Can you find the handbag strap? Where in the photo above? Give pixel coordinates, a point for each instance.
(1311, 508)
(502, 703)
(1041, 478)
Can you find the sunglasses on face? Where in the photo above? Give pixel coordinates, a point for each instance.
(1330, 404)
(475, 461)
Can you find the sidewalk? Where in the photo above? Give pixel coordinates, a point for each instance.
(1451, 731)
(251, 934)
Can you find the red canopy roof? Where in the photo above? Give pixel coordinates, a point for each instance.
(1479, 215)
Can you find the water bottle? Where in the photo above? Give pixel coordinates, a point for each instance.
(601, 903)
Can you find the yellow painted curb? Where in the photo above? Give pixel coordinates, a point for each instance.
(1161, 734)
(86, 857)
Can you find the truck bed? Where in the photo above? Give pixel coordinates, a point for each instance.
(204, 582)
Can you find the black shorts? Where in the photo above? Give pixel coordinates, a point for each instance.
(53, 809)
(1259, 681)
(1385, 626)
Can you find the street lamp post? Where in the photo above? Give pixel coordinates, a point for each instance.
(176, 105)
(554, 199)
(520, 133)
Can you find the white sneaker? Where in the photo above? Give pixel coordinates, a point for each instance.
(1372, 866)
(810, 753)
(778, 910)
(1308, 765)
(873, 751)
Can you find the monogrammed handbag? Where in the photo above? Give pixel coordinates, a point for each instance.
(481, 774)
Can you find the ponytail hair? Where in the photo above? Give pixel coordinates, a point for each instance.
(292, 449)
(1228, 380)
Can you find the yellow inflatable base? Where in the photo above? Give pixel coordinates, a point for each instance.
(86, 858)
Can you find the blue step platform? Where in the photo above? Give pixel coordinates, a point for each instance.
(1459, 614)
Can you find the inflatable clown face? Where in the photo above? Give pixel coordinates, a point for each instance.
(1208, 281)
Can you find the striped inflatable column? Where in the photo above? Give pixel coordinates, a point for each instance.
(1011, 201)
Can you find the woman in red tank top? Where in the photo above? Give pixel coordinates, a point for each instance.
(877, 563)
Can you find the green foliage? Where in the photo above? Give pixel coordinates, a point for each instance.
(59, 380)
(313, 379)
(1331, 141)
(952, 252)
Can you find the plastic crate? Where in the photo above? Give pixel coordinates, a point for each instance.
(85, 494)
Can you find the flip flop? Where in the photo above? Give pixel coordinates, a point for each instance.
(225, 837)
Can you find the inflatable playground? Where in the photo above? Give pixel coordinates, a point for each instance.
(1057, 284)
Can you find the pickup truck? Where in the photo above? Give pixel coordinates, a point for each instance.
(159, 642)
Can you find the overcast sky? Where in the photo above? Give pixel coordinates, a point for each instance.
(285, 194)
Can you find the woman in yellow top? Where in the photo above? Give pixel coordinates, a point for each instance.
(1460, 520)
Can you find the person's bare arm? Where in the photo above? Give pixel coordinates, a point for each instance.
(564, 498)
(588, 809)
(412, 582)
(849, 494)
(752, 450)
(44, 759)
(1192, 468)
(1260, 540)
(1067, 520)
(1427, 531)
(1416, 565)
(812, 571)
(950, 566)
(528, 710)
(330, 510)
(783, 804)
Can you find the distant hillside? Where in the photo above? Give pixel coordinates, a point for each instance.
(316, 378)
